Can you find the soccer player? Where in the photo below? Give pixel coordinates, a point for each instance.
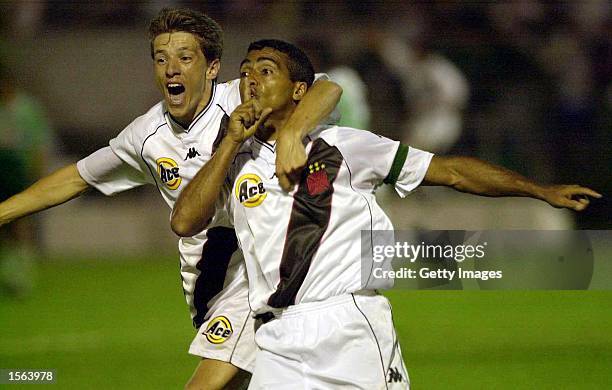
(318, 328)
(165, 147)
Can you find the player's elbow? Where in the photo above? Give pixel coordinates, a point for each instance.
(335, 91)
(183, 227)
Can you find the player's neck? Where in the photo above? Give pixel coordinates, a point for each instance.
(275, 122)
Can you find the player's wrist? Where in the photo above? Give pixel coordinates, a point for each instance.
(231, 144)
(289, 135)
(539, 191)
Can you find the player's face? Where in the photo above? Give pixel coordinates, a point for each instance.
(264, 76)
(183, 74)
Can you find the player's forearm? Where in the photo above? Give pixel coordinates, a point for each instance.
(195, 206)
(55, 189)
(475, 176)
(318, 103)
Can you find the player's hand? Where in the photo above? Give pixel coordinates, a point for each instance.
(290, 160)
(245, 120)
(572, 197)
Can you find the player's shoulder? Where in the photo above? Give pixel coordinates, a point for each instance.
(227, 95)
(151, 119)
(225, 86)
(338, 135)
(140, 128)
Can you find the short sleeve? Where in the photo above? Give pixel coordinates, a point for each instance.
(127, 146)
(408, 169)
(368, 156)
(373, 159)
(231, 100)
(108, 173)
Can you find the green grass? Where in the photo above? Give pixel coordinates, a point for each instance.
(124, 325)
(102, 325)
(506, 339)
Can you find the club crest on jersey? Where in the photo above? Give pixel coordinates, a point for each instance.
(168, 171)
(219, 330)
(250, 190)
(317, 180)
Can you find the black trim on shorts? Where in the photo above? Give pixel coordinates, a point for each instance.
(239, 337)
(382, 362)
(310, 215)
(396, 343)
(216, 255)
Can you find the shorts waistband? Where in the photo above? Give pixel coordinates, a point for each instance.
(305, 307)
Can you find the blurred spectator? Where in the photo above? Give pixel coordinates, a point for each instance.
(537, 74)
(25, 136)
(435, 90)
(354, 107)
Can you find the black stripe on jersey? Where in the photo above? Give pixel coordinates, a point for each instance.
(216, 255)
(208, 105)
(307, 224)
(398, 163)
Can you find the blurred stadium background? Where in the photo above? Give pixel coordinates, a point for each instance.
(526, 84)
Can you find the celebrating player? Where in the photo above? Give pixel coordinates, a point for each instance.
(166, 146)
(319, 328)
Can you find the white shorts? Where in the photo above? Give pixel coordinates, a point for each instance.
(228, 333)
(344, 342)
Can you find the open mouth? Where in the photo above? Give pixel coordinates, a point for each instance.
(176, 92)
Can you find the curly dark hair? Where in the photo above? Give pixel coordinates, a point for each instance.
(208, 33)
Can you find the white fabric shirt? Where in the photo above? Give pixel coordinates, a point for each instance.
(154, 149)
(305, 246)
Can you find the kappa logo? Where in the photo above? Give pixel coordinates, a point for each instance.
(395, 375)
(219, 330)
(168, 171)
(317, 180)
(250, 190)
(191, 154)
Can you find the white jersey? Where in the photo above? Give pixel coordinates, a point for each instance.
(155, 149)
(305, 246)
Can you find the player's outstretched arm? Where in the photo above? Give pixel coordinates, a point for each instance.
(55, 189)
(196, 204)
(475, 176)
(318, 103)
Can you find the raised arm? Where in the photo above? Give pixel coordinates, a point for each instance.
(195, 206)
(55, 189)
(475, 176)
(318, 103)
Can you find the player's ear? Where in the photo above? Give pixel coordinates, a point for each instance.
(299, 90)
(213, 69)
